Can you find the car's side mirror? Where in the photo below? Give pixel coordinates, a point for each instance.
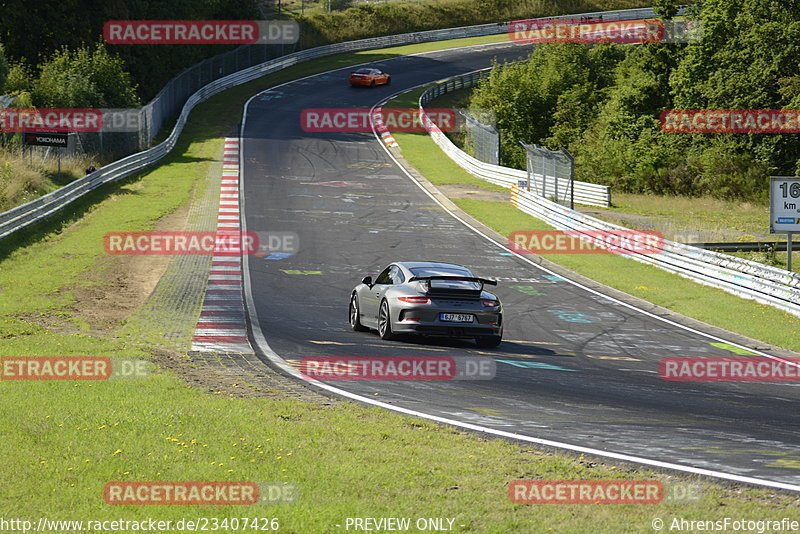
(367, 280)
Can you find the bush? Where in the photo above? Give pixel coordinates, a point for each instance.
(84, 78)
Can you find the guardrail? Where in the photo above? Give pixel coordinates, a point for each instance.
(585, 193)
(37, 210)
(746, 246)
(744, 278)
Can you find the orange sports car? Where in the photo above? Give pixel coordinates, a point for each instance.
(370, 77)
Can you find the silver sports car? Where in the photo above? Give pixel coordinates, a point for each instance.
(430, 299)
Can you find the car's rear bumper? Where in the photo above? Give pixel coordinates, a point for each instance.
(361, 82)
(451, 331)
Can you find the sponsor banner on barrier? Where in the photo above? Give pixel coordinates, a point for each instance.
(181, 243)
(730, 121)
(585, 242)
(201, 32)
(397, 368)
(359, 120)
(72, 368)
(730, 369)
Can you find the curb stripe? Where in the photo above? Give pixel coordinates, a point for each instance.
(222, 325)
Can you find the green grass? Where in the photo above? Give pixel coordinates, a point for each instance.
(63, 441)
(671, 291)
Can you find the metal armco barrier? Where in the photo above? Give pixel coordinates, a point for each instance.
(47, 205)
(585, 193)
(744, 278)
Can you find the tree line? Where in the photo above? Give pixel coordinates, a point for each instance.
(603, 103)
(53, 54)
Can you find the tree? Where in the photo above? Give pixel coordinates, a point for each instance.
(84, 78)
(4, 68)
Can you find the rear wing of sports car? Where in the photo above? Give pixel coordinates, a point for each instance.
(454, 290)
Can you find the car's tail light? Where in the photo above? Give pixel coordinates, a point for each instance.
(489, 303)
(414, 300)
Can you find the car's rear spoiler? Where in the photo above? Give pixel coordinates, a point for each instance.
(482, 281)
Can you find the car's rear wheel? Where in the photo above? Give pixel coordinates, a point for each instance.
(488, 342)
(385, 322)
(355, 316)
(388, 80)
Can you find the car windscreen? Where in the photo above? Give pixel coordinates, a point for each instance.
(362, 71)
(446, 271)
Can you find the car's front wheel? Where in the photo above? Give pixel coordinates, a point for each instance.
(388, 80)
(385, 322)
(488, 342)
(355, 316)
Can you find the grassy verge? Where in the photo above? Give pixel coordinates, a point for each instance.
(26, 177)
(694, 300)
(372, 19)
(64, 440)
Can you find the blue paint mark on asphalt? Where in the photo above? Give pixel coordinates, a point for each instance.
(572, 316)
(278, 255)
(506, 254)
(536, 365)
(554, 278)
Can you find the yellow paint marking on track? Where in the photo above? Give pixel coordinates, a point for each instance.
(329, 342)
(785, 463)
(531, 342)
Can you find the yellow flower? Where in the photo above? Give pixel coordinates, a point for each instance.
(116, 452)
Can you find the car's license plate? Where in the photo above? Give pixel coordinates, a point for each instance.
(456, 317)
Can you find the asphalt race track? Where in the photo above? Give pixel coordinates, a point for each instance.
(575, 367)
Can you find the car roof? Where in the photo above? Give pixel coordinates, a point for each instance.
(417, 264)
